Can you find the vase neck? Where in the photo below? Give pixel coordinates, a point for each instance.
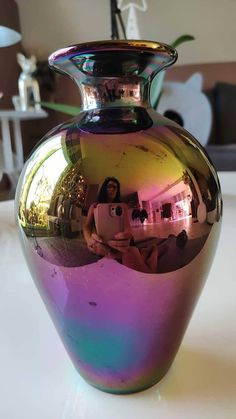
(114, 92)
(113, 73)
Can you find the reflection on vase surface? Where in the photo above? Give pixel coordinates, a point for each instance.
(119, 227)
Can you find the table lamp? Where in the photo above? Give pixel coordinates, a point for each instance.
(9, 23)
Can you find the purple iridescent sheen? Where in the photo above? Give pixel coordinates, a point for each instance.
(121, 314)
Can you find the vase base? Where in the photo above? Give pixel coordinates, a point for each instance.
(130, 390)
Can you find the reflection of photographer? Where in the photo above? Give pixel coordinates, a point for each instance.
(107, 229)
(107, 233)
(110, 219)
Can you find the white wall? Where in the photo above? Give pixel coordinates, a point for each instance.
(51, 24)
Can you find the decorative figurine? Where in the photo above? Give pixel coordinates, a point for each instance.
(28, 85)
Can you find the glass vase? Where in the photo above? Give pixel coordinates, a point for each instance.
(119, 213)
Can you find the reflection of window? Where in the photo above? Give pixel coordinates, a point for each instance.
(41, 189)
(182, 208)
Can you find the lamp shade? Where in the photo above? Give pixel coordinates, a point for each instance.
(9, 23)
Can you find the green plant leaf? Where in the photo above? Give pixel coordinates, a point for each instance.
(156, 88)
(181, 39)
(61, 107)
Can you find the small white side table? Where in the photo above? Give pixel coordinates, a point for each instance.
(15, 116)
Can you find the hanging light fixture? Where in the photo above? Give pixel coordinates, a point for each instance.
(9, 23)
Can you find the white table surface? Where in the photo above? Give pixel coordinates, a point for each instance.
(38, 381)
(22, 115)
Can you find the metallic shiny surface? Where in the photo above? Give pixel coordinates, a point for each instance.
(120, 300)
(113, 73)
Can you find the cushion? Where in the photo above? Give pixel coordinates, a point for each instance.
(222, 156)
(225, 113)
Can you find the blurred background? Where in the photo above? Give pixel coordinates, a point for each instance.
(46, 26)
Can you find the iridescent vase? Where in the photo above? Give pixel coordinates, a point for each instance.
(121, 304)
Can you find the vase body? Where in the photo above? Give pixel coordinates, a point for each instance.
(121, 315)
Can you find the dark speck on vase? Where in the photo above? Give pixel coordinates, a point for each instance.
(92, 303)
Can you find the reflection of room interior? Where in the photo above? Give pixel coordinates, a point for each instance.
(169, 212)
(173, 209)
(152, 179)
(170, 208)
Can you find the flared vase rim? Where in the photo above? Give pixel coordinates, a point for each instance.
(139, 46)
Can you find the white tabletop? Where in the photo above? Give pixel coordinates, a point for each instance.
(31, 114)
(38, 381)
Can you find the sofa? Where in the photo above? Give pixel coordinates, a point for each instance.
(220, 88)
(221, 146)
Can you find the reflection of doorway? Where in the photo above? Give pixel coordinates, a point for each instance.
(154, 216)
(167, 210)
(146, 206)
(91, 195)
